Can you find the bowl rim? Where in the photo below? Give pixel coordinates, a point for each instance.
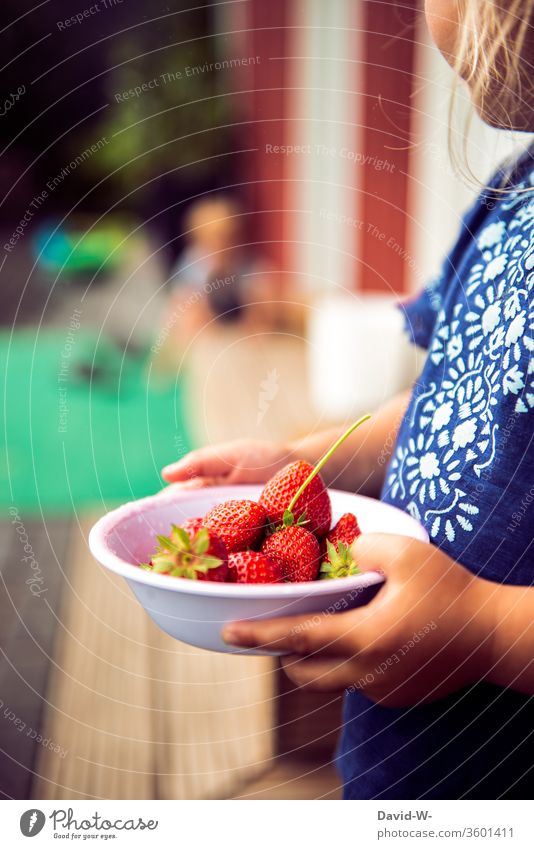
(104, 526)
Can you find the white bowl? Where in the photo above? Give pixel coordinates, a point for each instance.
(195, 611)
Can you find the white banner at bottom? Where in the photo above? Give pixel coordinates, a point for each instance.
(268, 824)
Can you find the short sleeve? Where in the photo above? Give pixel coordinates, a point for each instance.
(420, 313)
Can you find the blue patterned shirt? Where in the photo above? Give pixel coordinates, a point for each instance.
(463, 466)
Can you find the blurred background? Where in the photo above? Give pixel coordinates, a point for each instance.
(207, 218)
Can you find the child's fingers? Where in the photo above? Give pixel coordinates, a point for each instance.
(331, 634)
(194, 483)
(201, 463)
(320, 674)
(382, 552)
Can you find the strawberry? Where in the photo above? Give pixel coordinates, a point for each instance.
(312, 507)
(253, 567)
(345, 530)
(298, 491)
(240, 524)
(190, 551)
(337, 559)
(296, 551)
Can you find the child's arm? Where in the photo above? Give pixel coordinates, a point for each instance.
(432, 629)
(513, 640)
(358, 464)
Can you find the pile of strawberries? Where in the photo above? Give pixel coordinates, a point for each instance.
(248, 542)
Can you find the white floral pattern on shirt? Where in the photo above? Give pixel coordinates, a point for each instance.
(482, 349)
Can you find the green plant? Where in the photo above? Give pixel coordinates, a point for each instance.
(165, 112)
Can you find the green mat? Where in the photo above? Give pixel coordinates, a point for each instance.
(77, 436)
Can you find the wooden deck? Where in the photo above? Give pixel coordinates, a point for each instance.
(140, 715)
(28, 625)
(292, 778)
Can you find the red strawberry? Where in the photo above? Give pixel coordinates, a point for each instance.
(192, 526)
(337, 559)
(346, 530)
(190, 551)
(296, 551)
(240, 524)
(253, 567)
(314, 502)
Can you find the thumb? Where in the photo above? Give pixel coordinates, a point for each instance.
(381, 552)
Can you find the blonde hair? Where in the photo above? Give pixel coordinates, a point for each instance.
(490, 58)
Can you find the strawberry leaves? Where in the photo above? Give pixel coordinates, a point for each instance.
(288, 521)
(183, 554)
(182, 536)
(166, 544)
(340, 562)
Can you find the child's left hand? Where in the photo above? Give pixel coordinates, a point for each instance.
(423, 636)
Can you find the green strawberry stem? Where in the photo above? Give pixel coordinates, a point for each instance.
(325, 459)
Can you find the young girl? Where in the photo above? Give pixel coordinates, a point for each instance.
(439, 667)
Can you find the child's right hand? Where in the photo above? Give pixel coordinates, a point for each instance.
(240, 461)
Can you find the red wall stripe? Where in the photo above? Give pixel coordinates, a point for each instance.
(389, 56)
(268, 105)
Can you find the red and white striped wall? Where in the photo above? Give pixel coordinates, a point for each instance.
(349, 179)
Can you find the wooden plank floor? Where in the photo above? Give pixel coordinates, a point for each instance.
(141, 715)
(291, 778)
(27, 627)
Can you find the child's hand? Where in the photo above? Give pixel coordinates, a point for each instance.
(423, 636)
(241, 461)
